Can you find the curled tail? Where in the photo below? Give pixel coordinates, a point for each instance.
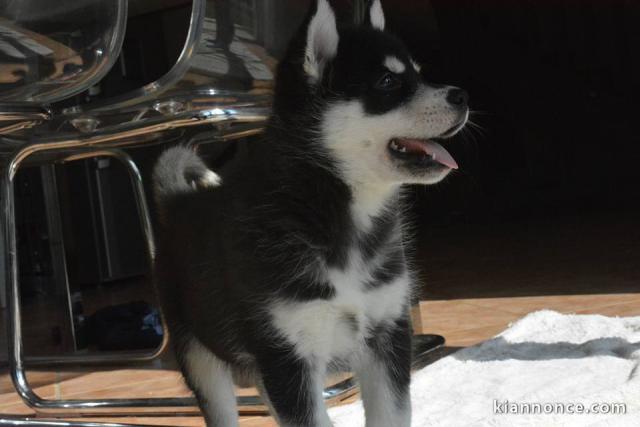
(180, 170)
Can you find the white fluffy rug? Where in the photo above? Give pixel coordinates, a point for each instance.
(544, 358)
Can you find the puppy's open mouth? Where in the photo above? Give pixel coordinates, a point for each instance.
(422, 150)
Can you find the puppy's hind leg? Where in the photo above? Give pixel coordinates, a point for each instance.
(212, 383)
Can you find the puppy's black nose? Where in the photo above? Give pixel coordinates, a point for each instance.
(458, 97)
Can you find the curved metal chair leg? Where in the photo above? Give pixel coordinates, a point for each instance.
(98, 406)
(36, 422)
(145, 222)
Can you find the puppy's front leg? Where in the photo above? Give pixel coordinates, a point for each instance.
(384, 375)
(292, 386)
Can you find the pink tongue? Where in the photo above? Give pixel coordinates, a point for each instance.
(435, 150)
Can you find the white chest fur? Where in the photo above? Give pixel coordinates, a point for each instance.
(337, 327)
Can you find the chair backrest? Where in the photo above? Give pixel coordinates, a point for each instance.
(53, 49)
(228, 60)
(225, 71)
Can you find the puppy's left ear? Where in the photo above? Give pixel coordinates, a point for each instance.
(374, 15)
(322, 40)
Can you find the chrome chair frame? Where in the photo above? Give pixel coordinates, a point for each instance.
(37, 422)
(97, 134)
(139, 103)
(100, 65)
(108, 144)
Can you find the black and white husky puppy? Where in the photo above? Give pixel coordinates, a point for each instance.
(295, 262)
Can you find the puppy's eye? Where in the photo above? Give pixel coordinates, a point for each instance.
(388, 82)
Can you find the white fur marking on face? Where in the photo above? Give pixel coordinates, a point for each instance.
(322, 41)
(376, 15)
(394, 64)
(368, 168)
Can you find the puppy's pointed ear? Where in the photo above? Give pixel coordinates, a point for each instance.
(374, 15)
(322, 40)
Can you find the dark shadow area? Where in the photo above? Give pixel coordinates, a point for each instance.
(610, 346)
(547, 198)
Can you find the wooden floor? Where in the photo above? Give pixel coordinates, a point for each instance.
(463, 322)
(478, 281)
